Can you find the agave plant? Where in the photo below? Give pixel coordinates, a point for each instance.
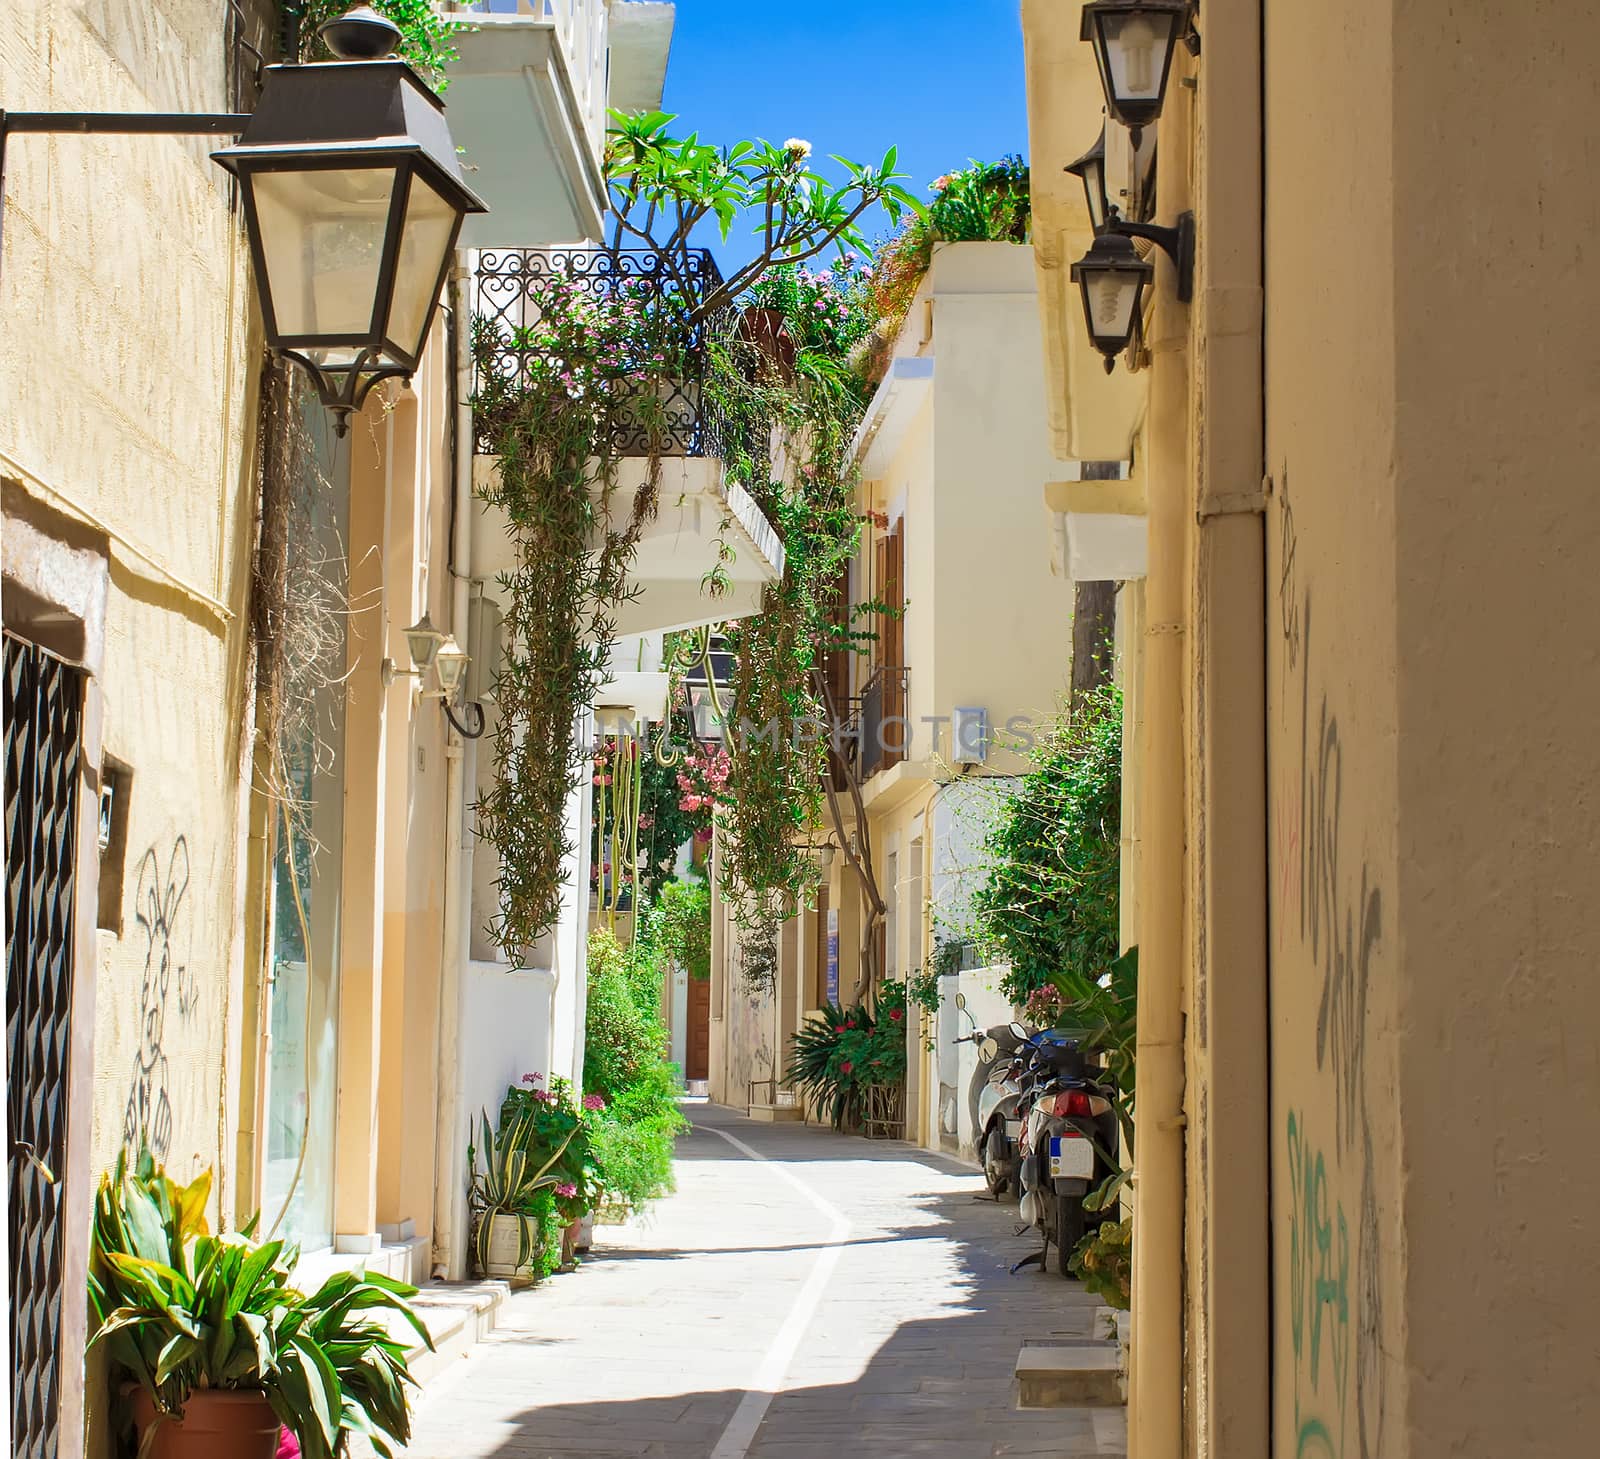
(181, 1309)
(511, 1180)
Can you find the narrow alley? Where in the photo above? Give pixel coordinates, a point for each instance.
(803, 1294)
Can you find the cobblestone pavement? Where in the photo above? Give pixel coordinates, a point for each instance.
(803, 1295)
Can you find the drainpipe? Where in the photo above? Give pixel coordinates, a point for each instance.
(449, 1181)
(1155, 1407)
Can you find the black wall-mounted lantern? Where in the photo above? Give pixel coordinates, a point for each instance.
(1133, 42)
(353, 202)
(1112, 278)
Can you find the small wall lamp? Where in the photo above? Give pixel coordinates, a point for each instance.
(431, 646)
(1133, 42)
(1112, 278)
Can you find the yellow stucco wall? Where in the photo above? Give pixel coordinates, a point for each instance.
(127, 379)
(1431, 535)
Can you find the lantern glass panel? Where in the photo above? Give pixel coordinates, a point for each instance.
(322, 241)
(425, 238)
(1110, 296)
(1137, 46)
(1094, 192)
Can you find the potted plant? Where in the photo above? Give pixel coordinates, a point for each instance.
(220, 1349)
(512, 1195)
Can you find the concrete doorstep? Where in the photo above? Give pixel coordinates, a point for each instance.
(1069, 1375)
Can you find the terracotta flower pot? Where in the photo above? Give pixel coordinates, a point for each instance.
(216, 1424)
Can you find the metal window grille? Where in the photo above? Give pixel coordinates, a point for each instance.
(43, 713)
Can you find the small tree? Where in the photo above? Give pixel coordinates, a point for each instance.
(663, 187)
(1049, 900)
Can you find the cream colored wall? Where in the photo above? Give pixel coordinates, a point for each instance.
(127, 376)
(1337, 956)
(1497, 527)
(1432, 868)
(986, 623)
(1002, 620)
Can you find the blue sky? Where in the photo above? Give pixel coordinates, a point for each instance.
(940, 80)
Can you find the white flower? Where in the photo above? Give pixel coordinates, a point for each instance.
(798, 148)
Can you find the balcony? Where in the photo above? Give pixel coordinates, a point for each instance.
(504, 291)
(528, 96)
(700, 509)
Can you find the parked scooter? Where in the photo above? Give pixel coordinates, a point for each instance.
(992, 1099)
(1069, 1138)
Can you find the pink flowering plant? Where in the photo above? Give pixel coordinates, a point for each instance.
(827, 310)
(703, 779)
(557, 1127)
(842, 1051)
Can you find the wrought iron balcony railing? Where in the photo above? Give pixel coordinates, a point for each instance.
(507, 290)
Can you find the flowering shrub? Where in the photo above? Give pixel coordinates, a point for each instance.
(988, 202)
(555, 1119)
(825, 310)
(703, 780)
(837, 1055)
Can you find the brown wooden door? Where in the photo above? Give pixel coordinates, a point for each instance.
(697, 1037)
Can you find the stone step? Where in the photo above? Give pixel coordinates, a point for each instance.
(1068, 1375)
(774, 1114)
(457, 1315)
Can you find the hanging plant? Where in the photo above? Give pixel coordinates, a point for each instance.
(589, 372)
(564, 398)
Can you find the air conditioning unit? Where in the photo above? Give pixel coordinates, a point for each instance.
(969, 735)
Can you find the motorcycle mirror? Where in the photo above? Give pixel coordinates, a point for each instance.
(1019, 1033)
(987, 1051)
(961, 1001)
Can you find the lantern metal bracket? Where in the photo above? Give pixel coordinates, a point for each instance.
(113, 123)
(1177, 242)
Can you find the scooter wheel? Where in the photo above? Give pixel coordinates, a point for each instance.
(996, 1167)
(1069, 1231)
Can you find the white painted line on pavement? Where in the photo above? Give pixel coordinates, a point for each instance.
(741, 1431)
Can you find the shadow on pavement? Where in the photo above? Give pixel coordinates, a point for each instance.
(936, 1388)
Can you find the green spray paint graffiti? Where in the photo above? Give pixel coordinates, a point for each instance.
(1319, 1299)
(1332, 900)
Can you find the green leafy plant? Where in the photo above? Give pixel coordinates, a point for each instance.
(180, 1309)
(635, 1125)
(1048, 903)
(838, 1053)
(1103, 1262)
(586, 365)
(558, 1127)
(663, 187)
(677, 924)
(923, 991)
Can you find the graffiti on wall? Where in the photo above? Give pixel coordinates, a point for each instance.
(168, 991)
(1334, 911)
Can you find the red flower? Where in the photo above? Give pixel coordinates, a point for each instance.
(846, 1067)
(895, 1013)
(838, 1028)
